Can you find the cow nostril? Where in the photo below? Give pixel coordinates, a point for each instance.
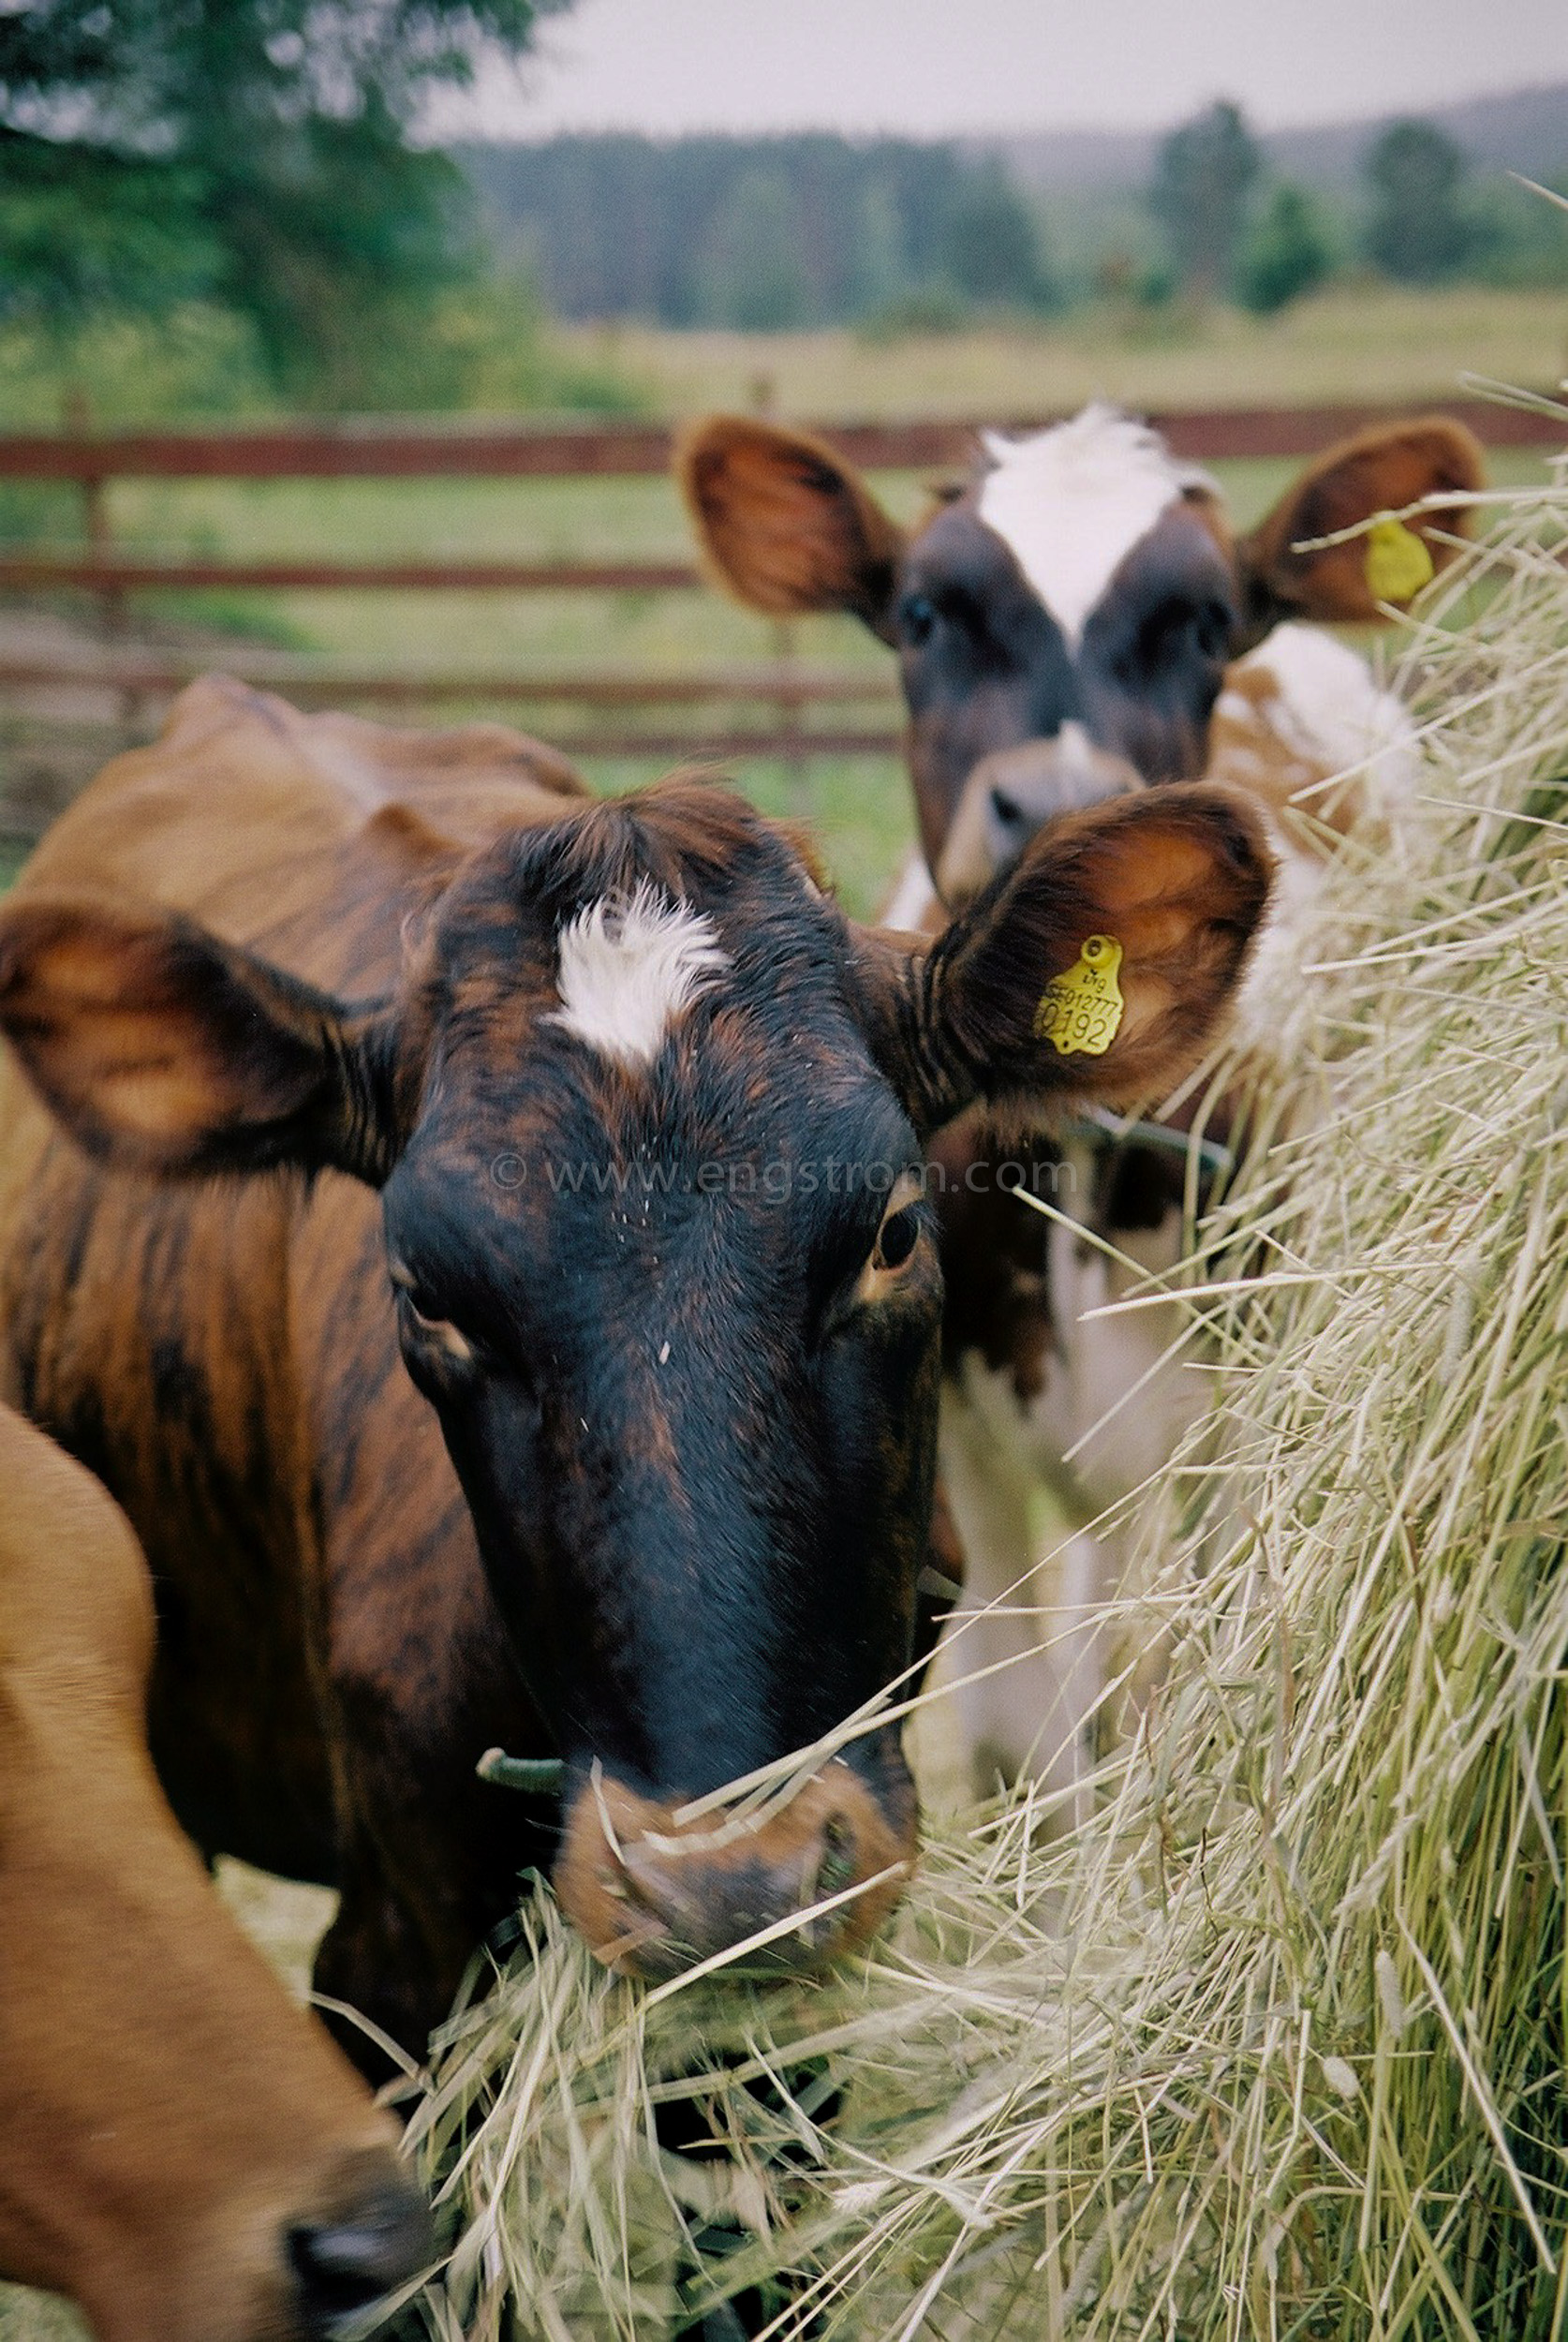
(1008, 810)
(341, 2266)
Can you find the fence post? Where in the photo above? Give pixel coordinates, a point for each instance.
(95, 524)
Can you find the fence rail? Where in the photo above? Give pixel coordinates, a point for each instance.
(157, 671)
(120, 573)
(373, 449)
(796, 713)
(779, 695)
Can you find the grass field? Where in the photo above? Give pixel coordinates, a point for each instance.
(1370, 341)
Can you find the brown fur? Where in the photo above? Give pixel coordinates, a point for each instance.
(168, 2115)
(783, 524)
(184, 1345)
(1183, 916)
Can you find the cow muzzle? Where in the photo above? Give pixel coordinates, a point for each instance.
(342, 2264)
(1014, 791)
(291, 2258)
(653, 1896)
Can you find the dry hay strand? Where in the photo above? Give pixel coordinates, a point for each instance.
(1273, 2045)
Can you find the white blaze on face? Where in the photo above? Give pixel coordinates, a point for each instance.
(1072, 502)
(628, 968)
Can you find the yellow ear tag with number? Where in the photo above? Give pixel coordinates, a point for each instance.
(1081, 1009)
(1397, 562)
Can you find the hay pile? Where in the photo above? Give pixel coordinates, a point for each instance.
(1275, 2045)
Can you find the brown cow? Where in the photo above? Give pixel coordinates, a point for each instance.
(561, 1370)
(1079, 623)
(182, 2152)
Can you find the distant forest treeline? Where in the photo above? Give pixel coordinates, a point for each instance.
(760, 233)
(772, 234)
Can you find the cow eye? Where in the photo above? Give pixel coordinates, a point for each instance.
(886, 1270)
(917, 619)
(896, 1238)
(428, 1332)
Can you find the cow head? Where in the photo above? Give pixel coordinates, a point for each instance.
(1063, 624)
(647, 1115)
(184, 2151)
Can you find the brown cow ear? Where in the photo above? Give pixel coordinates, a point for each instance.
(786, 526)
(1098, 967)
(163, 1050)
(1381, 470)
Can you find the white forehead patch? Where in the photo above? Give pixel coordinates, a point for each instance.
(1072, 502)
(628, 968)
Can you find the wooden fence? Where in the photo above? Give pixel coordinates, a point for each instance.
(787, 709)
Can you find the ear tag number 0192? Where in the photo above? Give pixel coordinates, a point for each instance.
(1397, 562)
(1082, 1008)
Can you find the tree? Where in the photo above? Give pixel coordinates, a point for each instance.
(1286, 256)
(752, 276)
(876, 272)
(81, 233)
(1201, 181)
(258, 151)
(1419, 229)
(990, 250)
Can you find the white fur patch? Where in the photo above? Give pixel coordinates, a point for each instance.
(1072, 502)
(1331, 712)
(1333, 717)
(628, 968)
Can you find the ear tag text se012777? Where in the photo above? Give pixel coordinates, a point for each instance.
(1082, 1008)
(1398, 563)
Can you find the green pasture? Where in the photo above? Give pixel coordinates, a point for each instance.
(1356, 339)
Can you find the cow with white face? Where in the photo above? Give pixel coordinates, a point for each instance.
(1080, 621)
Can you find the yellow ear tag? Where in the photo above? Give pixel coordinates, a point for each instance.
(1397, 562)
(1081, 1009)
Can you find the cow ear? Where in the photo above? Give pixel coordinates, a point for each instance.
(1098, 967)
(163, 1050)
(786, 526)
(1381, 470)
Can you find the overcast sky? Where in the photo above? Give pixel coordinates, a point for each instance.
(928, 67)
